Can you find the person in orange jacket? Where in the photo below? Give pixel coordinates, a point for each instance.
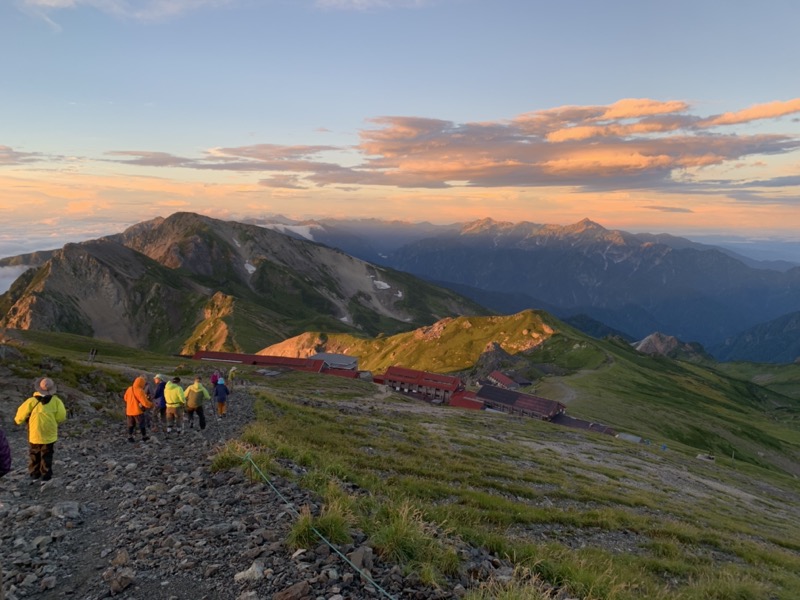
(136, 403)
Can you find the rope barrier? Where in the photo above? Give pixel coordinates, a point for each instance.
(247, 458)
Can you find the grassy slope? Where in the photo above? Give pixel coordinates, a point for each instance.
(447, 346)
(600, 517)
(597, 516)
(709, 409)
(685, 404)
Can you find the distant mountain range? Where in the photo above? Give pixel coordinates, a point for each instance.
(190, 282)
(635, 284)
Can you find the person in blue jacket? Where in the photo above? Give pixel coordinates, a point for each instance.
(221, 392)
(160, 403)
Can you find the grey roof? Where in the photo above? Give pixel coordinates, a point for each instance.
(337, 361)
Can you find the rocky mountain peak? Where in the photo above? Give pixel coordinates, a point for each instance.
(659, 344)
(583, 226)
(487, 225)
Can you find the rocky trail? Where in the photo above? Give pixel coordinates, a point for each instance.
(150, 520)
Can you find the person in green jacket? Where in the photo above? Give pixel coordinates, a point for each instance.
(196, 394)
(176, 401)
(42, 412)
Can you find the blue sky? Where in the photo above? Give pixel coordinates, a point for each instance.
(680, 117)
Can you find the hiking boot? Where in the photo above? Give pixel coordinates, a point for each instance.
(145, 438)
(131, 440)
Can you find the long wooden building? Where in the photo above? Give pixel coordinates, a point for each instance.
(430, 386)
(517, 403)
(295, 364)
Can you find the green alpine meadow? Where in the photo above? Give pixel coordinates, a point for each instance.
(702, 505)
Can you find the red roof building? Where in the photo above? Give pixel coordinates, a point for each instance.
(295, 364)
(346, 373)
(466, 399)
(503, 381)
(431, 386)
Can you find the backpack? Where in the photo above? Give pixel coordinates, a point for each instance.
(194, 398)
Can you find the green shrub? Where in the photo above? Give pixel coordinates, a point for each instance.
(333, 524)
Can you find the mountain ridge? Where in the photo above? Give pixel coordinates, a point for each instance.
(635, 284)
(273, 286)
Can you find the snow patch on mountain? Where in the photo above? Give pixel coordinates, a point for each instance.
(303, 231)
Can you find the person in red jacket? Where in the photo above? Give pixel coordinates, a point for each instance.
(136, 403)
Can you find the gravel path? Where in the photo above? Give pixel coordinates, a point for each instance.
(149, 520)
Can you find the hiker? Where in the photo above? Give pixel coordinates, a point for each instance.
(221, 392)
(175, 400)
(215, 378)
(147, 413)
(136, 403)
(5, 467)
(196, 394)
(42, 412)
(160, 412)
(5, 457)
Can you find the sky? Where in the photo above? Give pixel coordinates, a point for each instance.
(679, 117)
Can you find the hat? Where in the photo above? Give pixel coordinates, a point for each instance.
(221, 380)
(176, 380)
(46, 386)
(161, 377)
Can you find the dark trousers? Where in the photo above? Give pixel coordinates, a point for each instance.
(41, 460)
(159, 417)
(135, 422)
(200, 413)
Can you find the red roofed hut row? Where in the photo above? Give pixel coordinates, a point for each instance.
(296, 364)
(433, 387)
(328, 364)
(450, 390)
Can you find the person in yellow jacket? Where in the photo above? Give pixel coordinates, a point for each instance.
(196, 394)
(42, 412)
(176, 401)
(136, 402)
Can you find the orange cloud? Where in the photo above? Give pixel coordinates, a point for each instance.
(442, 169)
(585, 132)
(634, 108)
(603, 162)
(770, 110)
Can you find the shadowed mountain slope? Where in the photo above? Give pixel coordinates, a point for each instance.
(190, 282)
